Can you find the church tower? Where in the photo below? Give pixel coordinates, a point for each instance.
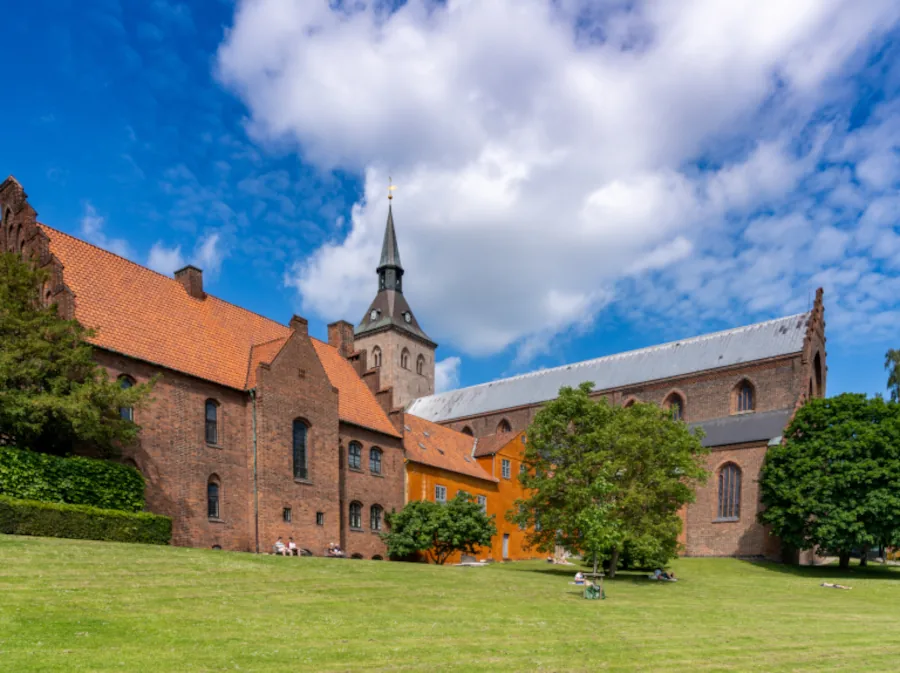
(390, 333)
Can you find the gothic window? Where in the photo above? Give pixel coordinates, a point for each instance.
(675, 405)
(212, 422)
(375, 460)
(506, 468)
(354, 455)
(504, 426)
(817, 371)
(301, 430)
(744, 397)
(468, 431)
(404, 359)
(729, 493)
(630, 403)
(213, 508)
(376, 357)
(375, 515)
(127, 413)
(355, 515)
(420, 365)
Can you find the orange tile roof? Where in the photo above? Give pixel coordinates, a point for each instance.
(490, 444)
(444, 448)
(146, 315)
(356, 403)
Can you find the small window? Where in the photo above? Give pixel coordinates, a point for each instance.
(217, 547)
(354, 456)
(286, 514)
(404, 359)
(504, 427)
(320, 518)
(300, 458)
(420, 365)
(522, 468)
(355, 515)
(482, 502)
(212, 422)
(506, 468)
(675, 405)
(376, 357)
(375, 516)
(357, 556)
(377, 557)
(744, 397)
(127, 413)
(440, 494)
(729, 493)
(468, 431)
(212, 499)
(375, 460)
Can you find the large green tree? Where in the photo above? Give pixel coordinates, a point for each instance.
(439, 529)
(834, 484)
(600, 475)
(892, 365)
(53, 396)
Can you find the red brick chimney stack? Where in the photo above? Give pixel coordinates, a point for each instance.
(299, 324)
(191, 278)
(340, 336)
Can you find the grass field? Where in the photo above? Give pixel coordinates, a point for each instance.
(82, 606)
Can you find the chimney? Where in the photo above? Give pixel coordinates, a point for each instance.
(299, 324)
(340, 335)
(191, 278)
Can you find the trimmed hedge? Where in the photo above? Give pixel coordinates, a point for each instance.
(80, 522)
(29, 475)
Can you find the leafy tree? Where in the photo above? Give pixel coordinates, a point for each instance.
(892, 365)
(833, 483)
(53, 396)
(607, 476)
(439, 529)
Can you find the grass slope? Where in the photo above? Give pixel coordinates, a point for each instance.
(69, 605)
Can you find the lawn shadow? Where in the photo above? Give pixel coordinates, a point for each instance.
(568, 572)
(824, 572)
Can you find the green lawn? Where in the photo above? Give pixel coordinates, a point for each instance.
(83, 606)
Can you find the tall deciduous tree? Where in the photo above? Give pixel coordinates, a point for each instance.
(602, 472)
(892, 365)
(833, 483)
(439, 529)
(53, 396)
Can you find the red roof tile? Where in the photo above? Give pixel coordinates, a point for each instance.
(432, 444)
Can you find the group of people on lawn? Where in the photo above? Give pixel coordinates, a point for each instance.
(291, 549)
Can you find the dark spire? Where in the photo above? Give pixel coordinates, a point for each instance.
(390, 271)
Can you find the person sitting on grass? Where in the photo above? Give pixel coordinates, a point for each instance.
(579, 577)
(280, 547)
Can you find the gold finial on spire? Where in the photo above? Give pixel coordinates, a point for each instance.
(391, 188)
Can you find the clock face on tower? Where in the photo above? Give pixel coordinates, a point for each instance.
(407, 316)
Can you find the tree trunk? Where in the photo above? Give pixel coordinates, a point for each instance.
(613, 562)
(864, 557)
(844, 560)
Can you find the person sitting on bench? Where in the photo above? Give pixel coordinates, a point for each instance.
(280, 547)
(292, 548)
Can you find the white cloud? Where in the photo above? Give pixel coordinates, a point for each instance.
(446, 374)
(552, 157)
(208, 256)
(92, 231)
(165, 260)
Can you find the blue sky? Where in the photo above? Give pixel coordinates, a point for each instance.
(574, 178)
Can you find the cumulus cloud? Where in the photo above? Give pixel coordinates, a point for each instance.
(92, 225)
(208, 256)
(692, 160)
(446, 374)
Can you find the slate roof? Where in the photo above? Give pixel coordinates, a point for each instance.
(760, 341)
(390, 253)
(741, 428)
(390, 306)
(145, 315)
(438, 446)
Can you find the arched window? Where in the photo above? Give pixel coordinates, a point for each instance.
(504, 426)
(301, 430)
(213, 498)
(375, 460)
(817, 371)
(744, 397)
(629, 403)
(212, 422)
(357, 556)
(375, 516)
(729, 493)
(355, 515)
(20, 239)
(376, 357)
(354, 456)
(377, 557)
(675, 404)
(420, 365)
(468, 431)
(127, 413)
(404, 359)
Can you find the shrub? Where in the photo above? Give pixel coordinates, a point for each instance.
(29, 475)
(80, 522)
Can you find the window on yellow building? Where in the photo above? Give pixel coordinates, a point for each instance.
(506, 468)
(440, 494)
(482, 502)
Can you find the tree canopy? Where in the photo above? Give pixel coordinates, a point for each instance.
(439, 529)
(892, 365)
(833, 483)
(53, 395)
(604, 478)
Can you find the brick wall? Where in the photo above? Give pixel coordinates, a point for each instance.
(407, 384)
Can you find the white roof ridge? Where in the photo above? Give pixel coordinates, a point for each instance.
(621, 355)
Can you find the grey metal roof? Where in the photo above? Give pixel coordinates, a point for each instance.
(390, 253)
(752, 427)
(710, 351)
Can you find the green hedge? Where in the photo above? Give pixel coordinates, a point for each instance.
(29, 475)
(80, 522)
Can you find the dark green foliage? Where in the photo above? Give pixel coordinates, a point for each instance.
(53, 396)
(892, 365)
(603, 478)
(439, 530)
(45, 519)
(835, 482)
(76, 481)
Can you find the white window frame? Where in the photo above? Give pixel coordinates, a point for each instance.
(440, 494)
(482, 502)
(506, 468)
